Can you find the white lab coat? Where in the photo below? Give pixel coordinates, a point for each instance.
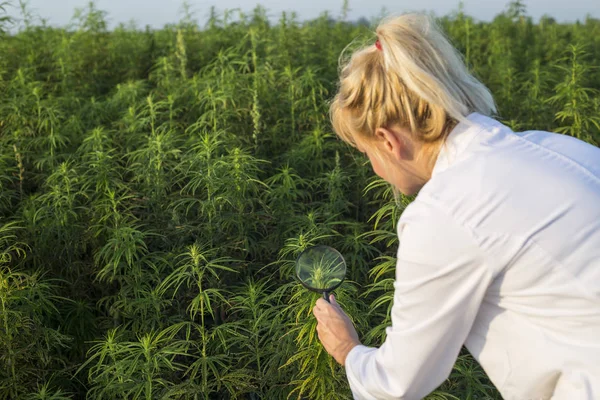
(500, 251)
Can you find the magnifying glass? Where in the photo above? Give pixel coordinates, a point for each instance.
(321, 269)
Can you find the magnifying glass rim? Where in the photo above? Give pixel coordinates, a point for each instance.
(312, 288)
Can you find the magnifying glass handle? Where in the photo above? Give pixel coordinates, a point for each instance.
(326, 296)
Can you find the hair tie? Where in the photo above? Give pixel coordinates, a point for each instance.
(378, 45)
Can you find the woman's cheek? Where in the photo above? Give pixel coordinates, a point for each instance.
(379, 168)
(376, 167)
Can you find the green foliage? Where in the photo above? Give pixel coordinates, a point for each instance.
(29, 345)
(156, 187)
(576, 98)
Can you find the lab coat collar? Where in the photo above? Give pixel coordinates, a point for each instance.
(459, 139)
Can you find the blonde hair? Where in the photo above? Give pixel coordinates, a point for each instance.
(417, 80)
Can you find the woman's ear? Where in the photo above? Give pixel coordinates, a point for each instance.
(392, 142)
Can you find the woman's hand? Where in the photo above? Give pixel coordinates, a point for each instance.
(335, 330)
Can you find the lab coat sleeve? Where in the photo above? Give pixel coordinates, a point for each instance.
(441, 279)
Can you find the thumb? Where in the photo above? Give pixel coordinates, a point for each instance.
(332, 299)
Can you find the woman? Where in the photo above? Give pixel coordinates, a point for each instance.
(500, 251)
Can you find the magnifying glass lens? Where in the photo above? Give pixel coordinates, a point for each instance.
(321, 269)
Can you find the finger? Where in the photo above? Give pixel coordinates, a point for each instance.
(321, 303)
(318, 316)
(332, 299)
(318, 312)
(321, 316)
(335, 303)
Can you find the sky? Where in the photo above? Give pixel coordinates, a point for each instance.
(160, 12)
